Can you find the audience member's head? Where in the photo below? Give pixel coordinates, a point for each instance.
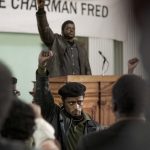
(5, 92)
(20, 123)
(129, 95)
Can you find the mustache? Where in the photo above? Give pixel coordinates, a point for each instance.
(76, 110)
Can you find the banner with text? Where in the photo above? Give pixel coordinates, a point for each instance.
(93, 18)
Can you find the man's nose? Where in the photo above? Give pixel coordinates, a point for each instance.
(76, 106)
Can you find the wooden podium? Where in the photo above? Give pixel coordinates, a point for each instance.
(98, 95)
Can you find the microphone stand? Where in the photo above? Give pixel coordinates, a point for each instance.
(103, 65)
(104, 71)
(104, 62)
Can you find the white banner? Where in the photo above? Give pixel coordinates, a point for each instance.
(93, 18)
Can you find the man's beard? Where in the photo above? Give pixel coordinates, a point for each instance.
(76, 113)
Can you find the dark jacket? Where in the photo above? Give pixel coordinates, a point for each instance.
(58, 44)
(123, 135)
(12, 145)
(56, 115)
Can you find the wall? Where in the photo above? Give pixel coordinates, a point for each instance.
(20, 53)
(96, 61)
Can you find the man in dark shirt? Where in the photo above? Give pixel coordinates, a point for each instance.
(70, 58)
(131, 130)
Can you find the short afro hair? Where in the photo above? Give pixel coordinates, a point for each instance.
(130, 95)
(65, 23)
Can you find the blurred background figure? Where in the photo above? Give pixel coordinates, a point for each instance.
(141, 9)
(20, 123)
(14, 87)
(44, 135)
(25, 124)
(6, 99)
(5, 92)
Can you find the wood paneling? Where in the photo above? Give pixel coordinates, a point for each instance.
(98, 95)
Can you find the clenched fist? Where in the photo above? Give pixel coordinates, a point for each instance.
(44, 56)
(132, 63)
(40, 3)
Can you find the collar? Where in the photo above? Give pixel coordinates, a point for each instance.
(142, 118)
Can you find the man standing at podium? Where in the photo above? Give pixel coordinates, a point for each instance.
(69, 121)
(70, 58)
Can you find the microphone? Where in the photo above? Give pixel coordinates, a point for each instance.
(102, 55)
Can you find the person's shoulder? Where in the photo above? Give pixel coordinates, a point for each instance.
(95, 139)
(91, 140)
(58, 36)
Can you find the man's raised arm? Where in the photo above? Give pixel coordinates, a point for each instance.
(46, 34)
(43, 96)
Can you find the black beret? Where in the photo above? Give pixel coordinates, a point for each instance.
(72, 89)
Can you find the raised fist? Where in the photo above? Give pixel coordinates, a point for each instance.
(40, 3)
(132, 63)
(44, 57)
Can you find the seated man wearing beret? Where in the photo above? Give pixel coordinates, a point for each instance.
(69, 121)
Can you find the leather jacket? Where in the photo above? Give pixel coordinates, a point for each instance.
(58, 44)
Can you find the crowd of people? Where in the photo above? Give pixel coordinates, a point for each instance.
(46, 126)
(43, 125)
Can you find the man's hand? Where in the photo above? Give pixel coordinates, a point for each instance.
(132, 63)
(40, 3)
(44, 57)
